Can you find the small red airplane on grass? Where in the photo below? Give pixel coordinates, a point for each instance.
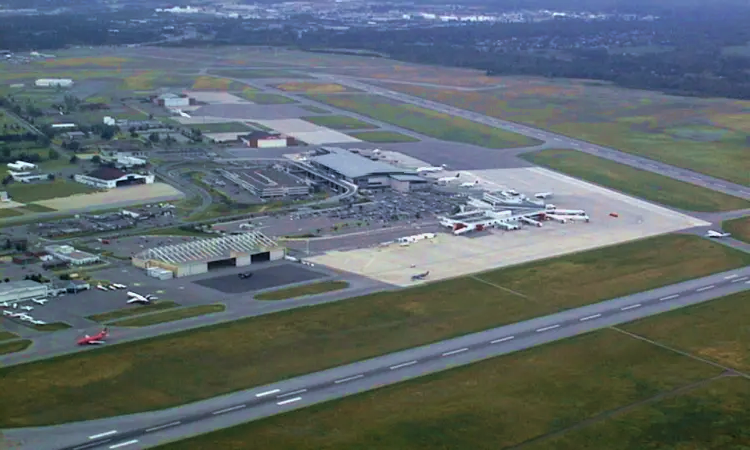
(95, 339)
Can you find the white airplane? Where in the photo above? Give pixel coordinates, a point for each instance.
(469, 184)
(717, 234)
(10, 313)
(27, 308)
(39, 301)
(138, 298)
(38, 322)
(543, 195)
(101, 288)
(5, 305)
(430, 169)
(119, 286)
(448, 179)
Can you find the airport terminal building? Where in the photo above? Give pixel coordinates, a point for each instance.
(201, 256)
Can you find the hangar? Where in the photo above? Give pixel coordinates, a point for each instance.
(109, 178)
(19, 291)
(201, 256)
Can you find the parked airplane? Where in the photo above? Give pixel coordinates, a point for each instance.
(430, 169)
(5, 305)
(717, 234)
(95, 339)
(119, 286)
(420, 276)
(10, 313)
(469, 184)
(138, 298)
(543, 195)
(27, 308)
(38, 322)
(39, 301)
(448, 179)
(101, 288)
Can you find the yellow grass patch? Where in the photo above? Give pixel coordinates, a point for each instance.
(103, 61)
(319, 88)
(737, 122)
(214, 83)
(140, 81)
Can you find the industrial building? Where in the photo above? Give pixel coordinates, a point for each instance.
(18, 291)
(365, 172)
(54, 82)
(266, 183)
(264, 139)
(196, 257)
(71, 255)
(109, 178)
(170, 100)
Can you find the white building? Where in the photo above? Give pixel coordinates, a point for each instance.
(109, 121)
(22, 290)
(109, 178)
(54, 82)
(172, 100)
(71, 255)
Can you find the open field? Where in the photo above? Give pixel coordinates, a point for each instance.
(310, 87)
(5, 335)
(705, 135)
(228, 127)
(639, 183)
(14, 346)
(132, 311)
(9, 125)
(339, 122)
(493, 404)
(384, 137)
(9, 212)
(152, 79)
(373, 325)
(170, 316)
(131, 195)
(425, 121)
(34, 192)
(100, 61)
(208, 83)
(740, 228)
(259, 73)
(264, 98)
(299, 291)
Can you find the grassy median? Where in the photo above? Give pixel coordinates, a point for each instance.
(132, 311)
(169, 316)
(339, 122)
(385, 137)
(299, 291)
(109, 381)
(14, 346)
(740, 228)
(639, 183)
(6, 335)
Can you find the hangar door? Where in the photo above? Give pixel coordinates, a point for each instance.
(229, 262)
(260, 257)
(130, 180)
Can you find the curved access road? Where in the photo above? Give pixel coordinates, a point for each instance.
(145, 430)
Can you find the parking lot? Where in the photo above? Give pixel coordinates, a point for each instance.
(153, 216)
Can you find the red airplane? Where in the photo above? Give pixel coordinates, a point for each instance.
(95, 339)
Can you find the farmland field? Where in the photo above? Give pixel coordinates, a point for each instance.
(373, 325)
(383, 137)
(339, 122)
(740, 228)
(705, 135)
(425, 121)
(639, 183)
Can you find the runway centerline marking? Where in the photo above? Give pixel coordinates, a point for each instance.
(625, 308)
(506, 338)
(226, 410)
(263, 394)
(453, 352)
(739, 279)
(669, 297)
(729, 277)
(291, 400)
(406, 364)
(298, 391)
(101, 435)
(123, 444)
(161, 427)
(92, 444)
(583, 319)
(705, 288)
(551, 327)
(344, 380)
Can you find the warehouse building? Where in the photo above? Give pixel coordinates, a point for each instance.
(201, 256)
(54, 82)
(170, 100)
(264, 139)
(71, 255)
(109, 178)
(365, 172)
(18, 291)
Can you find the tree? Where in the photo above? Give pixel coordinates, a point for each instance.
(51, 177)
(108, 133)
(53, 154)
(73, 159)
(96, 159)
(74, 146)
(153, 137)
(6, 152)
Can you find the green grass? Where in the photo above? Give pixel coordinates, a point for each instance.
(132, 311)
(383, 137)
(299, 291)
(489, 405)
(372, 325)
(314, 109)
(5, 335)
(230, 127)
(339, 122)
(14, 346)
(34, 192)
(740, 228)
(425, 121)
(10, 212)
(264, 98)
(258, 73)
(34, 208)
(639, 183)
(169, 316)
(54, 326)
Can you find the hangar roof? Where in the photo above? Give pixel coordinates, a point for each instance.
(351, 165)
(19, 286)
(206, 250)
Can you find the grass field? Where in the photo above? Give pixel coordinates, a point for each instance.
(170, 316)
(33, 192)
(5, 335)
(705, 135)
(229, 127)
(425, 121)
(9, 212)
(383, 137)
(54, 326)
(373, 325)
(639, 183)
(102, 61)
(132, 311)
(8, 124)
(493, 404)
(152, 79)
(264, 98)
(740, 228)
(299, 291)
(14, 346)
(314, 109)
(259, 73)
(34, 208)
(339, 122)
(309, 87)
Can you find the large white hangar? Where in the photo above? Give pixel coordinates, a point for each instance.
(201, 256)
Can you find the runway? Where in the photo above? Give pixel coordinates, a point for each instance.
(144, 430)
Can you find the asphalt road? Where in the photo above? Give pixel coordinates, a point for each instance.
(554, 139)
(144, 430)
